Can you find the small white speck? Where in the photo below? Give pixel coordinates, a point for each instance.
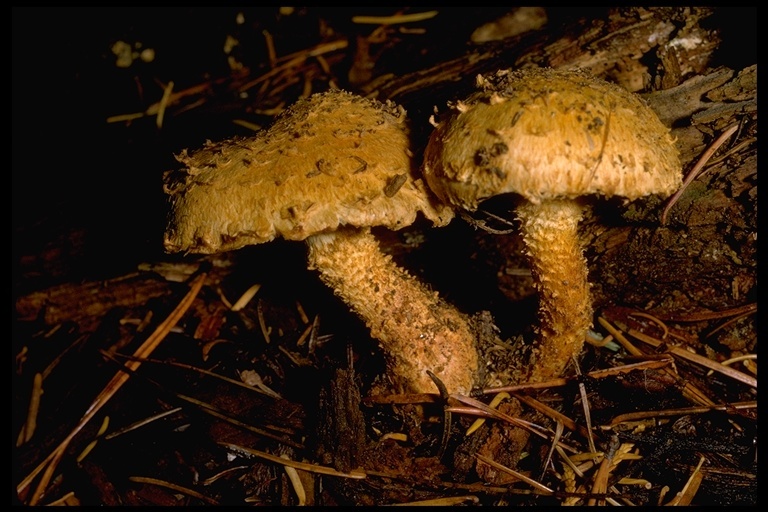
(687, 43)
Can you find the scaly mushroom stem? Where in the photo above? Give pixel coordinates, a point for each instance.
(550, 231)
(417, 329)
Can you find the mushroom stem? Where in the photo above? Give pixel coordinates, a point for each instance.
(550, 231)
(417, 329)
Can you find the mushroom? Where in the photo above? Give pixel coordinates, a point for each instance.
(551, 137)
(328, 169)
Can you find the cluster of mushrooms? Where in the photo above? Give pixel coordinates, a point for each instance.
(335, 164)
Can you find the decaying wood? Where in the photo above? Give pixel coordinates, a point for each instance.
(611, 48)
(342, 426)
(87, 303)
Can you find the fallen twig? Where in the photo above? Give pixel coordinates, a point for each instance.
(312, 468)
(173, 487)
(634, 416)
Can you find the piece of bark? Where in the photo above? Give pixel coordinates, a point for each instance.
(86, 303)
(342, 426)
(682, 101)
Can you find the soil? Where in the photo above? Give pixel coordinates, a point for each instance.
(104, 98)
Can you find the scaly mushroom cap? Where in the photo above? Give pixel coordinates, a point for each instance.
(548, 134)
(330, 160)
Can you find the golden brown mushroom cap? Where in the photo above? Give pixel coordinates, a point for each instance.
(330, 160)
(548, 134)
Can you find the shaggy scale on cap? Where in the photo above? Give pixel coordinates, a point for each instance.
(548, 134)
(334, 159)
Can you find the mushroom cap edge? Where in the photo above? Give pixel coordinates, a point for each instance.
(331, 160)
(544, 134)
